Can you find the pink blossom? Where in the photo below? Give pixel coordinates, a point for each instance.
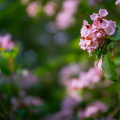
(92, 110)
(92, 36)
(117, 2)
(30, 100)
(86, 79)
(5, 42)
(68, 72)
(103, 12)
(65, 16)
(68, 104)
(25, 80)
(50, 8)
(24, 100)
(32, 9)
(66, 111)
(28, 79)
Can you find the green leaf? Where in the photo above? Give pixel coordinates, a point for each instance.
(109, 68)
(116, 36)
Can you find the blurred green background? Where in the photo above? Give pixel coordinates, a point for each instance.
(46, 33)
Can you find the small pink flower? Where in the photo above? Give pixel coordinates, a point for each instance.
(94, 16)
(103, 12)
(65, 16)
(92, 110)
(5, 42)
(32, 9)
(50, 8)
(117, 2)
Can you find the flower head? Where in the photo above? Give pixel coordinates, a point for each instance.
(5, 42)
(117, 2)
(92, 36)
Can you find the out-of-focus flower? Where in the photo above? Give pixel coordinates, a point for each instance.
(65, 16)
(26, 80)
(50, 8)
(32, 9)
(92, 36)
(29, 80)
(68, 72)
(30, 100)
(66, 112)
(68, 103)
(24, 100)
(86, 79)
(5, 42)
(92, 110)
(117, 2)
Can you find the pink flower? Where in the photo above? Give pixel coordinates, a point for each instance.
(68, 104)
(117, 2)
(5, 42)
(92, 110)
(65, 16)
(50, 8)
(86, 79)
(30, 100)
(32, 9)
(24, 100)
(25, 80)
(92, 36)
(103, 12)
(67, 72)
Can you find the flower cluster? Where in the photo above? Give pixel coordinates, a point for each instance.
(86, 79)
(92, 36)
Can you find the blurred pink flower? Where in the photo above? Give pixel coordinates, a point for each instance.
(25, 80)
(66, 111)
(86, 79)
(28, 80)
(5, 42)
(92, 110)
(15, 104)
(65, 16)
(30, 100)
(68, 104)
(24, 100)
(117, 2)
(50, 8)
(32, 9)
(68, 72)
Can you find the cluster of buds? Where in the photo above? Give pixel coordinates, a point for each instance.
(92, 36)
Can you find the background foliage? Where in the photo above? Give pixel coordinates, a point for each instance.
(43, 49)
